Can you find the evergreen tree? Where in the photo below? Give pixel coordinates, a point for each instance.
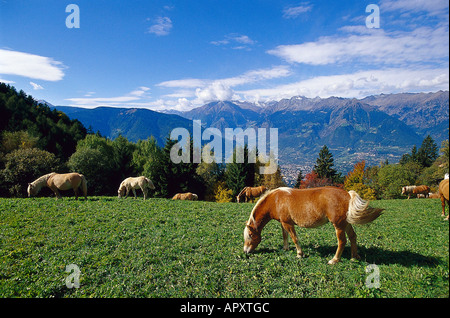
(428, 152)
(123, 155)
(324, 165)
(240, 175)
(274, 180)
(413, 156)
(177, 177)
(210, 174)
(299, 179)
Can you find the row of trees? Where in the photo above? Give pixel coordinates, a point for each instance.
(105, 163)
(383, 181)
(36, 140)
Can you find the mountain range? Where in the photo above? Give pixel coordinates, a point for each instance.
(374, 128)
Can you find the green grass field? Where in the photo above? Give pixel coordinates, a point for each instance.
(164, 248)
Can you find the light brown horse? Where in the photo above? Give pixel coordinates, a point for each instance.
(416, 190)
(422, 189)
(56, 181)
(309, 208)
(443, 195)
(134, 183)
(249, 193)
(185, 196)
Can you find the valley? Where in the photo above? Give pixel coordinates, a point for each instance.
(374, 129)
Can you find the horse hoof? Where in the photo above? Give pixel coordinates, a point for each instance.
(333, 261)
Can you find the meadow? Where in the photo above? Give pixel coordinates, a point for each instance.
(164, 248)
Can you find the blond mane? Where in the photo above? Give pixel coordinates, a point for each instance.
(260, 201)
(42, 180)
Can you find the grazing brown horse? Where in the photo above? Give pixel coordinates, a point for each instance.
(56, 181)
(249, 193)
(422, 189)
(443, 194)
(310, 208)
(185, 196)
(416, 190)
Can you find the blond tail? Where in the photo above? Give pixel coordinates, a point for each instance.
(358, 210)
(84, 185)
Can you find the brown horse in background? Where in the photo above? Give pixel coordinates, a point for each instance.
(56, 181)
(249, 193)
(185, 196)
(443, 195)
(310, 208)
(416, 190)
(422, 189)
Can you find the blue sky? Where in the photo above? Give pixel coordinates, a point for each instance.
(182, 54)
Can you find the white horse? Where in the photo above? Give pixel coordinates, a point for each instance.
(135, 183)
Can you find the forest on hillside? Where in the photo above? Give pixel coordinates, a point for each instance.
(35, 140)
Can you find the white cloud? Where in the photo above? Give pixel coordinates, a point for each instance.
(207, 90)
(358, 84)
(235, 41)
(36, 86)
(162, 26)
(424, 44)
(185, 83)
(433, 7)
(128, 100)
(293, 12)
(258, 75)
(245, 78)
(139, 92)
(30, 65)
(6, 81)
(216, 91)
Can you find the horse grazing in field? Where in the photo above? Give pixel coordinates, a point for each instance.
(309, 208)
(443, 194)
(56, 181)
(185, 196)
(408, 190)
(134, 183)
(249, 193)
(416, 190)
(422, 189)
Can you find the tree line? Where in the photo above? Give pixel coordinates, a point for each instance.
(424, 166)
(36, 140)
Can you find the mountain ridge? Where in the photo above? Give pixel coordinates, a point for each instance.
(374, 128)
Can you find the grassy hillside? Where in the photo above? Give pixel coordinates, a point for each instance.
(164, 248)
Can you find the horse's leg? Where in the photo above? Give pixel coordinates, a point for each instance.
(144, 191)
(291, 230)
(285, 239)
(352, 237)
(128, 192)
(55, 190)
(443, 205)
(134, 192)
(76, 193)
(340, 234)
